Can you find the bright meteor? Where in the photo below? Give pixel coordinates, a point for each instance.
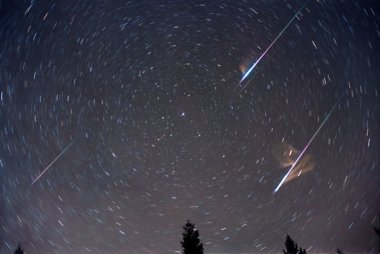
(51, 163)
(270, 45)
(304, 150)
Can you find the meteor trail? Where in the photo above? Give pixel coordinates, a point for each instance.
(307, 145)
(51, 163)
(270, 45)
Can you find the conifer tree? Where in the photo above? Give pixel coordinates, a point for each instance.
(18, 250)
(191, 243)
(292, 247)
(302, 251)
(377, 230)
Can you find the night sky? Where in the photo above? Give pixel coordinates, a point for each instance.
(137, 107)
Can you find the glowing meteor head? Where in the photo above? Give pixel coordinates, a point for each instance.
(286, 155)
(244, 66)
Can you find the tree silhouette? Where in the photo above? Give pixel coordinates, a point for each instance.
(377, 230)
(292, 247)
(191, 243)
(339, 251)
(18, 250)
(302, 251)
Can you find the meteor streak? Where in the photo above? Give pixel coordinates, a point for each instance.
(270, 45)
(304, 150)
(51, 163)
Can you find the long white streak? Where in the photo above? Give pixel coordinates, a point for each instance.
(51, 163)
(304, 150)
(270, 45)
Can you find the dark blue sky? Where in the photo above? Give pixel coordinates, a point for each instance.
(146, 94)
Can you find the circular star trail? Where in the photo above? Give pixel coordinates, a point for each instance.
(120, 120)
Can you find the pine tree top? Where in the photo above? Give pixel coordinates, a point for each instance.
(18, 250)
(191, 243)
(291, 247)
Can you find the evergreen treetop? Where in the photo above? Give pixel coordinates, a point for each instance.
(292, 247)
(191, 243)
(18, 250)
